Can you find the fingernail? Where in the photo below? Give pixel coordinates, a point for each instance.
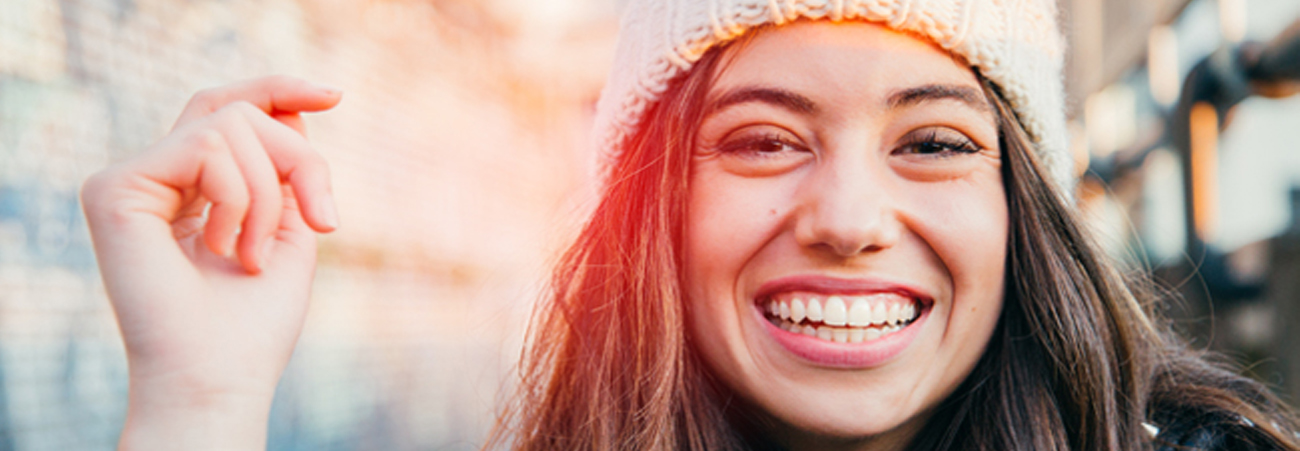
(326, 89)
(328, 214)
(266, 253)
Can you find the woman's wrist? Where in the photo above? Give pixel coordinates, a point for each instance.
(162, 418)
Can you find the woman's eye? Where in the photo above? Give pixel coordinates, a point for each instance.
(760, 145)
(938, 144)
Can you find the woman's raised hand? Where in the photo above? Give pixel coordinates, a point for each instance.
(207, 245)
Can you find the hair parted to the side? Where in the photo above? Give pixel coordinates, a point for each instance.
(1077, 362)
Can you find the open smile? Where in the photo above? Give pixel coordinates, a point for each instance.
(842, 319)
(843, 323)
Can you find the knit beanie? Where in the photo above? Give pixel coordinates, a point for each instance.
(1013, 43)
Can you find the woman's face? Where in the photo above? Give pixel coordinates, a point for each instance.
(847, 230)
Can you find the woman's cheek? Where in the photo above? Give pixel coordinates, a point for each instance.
(712, 264)
(729, 220)
(966, 224)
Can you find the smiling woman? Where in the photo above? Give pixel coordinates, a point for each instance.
(861, 199)
(825, 225)
(839, 234)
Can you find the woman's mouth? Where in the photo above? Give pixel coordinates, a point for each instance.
(842, 323)
(842, 318)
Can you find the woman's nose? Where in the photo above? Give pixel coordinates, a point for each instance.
(847, 213)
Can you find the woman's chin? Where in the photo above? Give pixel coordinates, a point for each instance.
(846, 427)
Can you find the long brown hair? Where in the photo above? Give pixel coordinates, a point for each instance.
(1077, 362)
(608, 365)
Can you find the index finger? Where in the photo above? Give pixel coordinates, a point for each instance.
(274, 95)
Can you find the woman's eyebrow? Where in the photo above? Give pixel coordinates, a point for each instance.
(772, 96)
(970, 96)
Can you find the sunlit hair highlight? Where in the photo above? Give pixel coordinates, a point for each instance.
(608, 365)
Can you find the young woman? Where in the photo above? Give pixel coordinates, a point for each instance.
(826, 225)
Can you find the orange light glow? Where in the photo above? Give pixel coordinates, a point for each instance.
(1204, 128)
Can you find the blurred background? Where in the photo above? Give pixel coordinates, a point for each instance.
(461, 165)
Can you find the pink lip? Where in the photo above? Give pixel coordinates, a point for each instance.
(833, 285)
(842, 355)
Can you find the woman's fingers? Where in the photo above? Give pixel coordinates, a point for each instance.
(235, 147)
(298, 164)
(267, 154)
(261, 178)
(220, 181)
(273, 95)
(236, 158)
(291, 219)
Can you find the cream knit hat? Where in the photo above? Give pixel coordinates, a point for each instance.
(1014, 43)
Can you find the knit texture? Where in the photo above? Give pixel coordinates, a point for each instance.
(1014, 43)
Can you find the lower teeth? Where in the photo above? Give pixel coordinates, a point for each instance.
(839, 334)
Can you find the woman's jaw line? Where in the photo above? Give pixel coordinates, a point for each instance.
(841, 323)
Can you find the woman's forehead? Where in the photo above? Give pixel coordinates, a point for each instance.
(846, 60)
(844, 70)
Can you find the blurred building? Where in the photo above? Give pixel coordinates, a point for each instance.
(458, 161)
(1192, 164)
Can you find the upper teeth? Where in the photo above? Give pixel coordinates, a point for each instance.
(858, 311)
